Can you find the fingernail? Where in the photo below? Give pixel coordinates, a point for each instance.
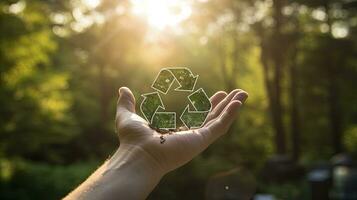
(121, 90)
(241, 96)
(236, 91)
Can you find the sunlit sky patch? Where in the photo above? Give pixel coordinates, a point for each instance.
(162, 14)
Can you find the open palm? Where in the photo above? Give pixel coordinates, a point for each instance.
(138, 139)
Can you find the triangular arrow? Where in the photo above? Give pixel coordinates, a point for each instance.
(185, 78)
(163, 81)
(193, 119)
(164, 120)
(151, 103)
(200, 100)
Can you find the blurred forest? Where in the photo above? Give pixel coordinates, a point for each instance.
(62, 61)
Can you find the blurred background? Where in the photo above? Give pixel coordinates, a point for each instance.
(62, 61)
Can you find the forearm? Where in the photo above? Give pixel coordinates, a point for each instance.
(129, 174)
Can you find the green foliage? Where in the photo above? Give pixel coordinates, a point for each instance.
(29, 180)
(35, 98)
(292, 190)
(350, 140)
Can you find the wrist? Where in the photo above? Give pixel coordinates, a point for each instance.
(132, 167)
(134, 158)
(129, 174)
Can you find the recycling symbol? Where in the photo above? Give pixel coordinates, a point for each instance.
(153, 108)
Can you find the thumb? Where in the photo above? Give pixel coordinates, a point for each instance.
(126, 100)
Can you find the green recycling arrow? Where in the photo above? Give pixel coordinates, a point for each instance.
(202, 105)
(151, 103)
(193, 119)
(200, 100)
(182, 75)
(164, 120)
(185, 78)
(163, 81)
(167, 120)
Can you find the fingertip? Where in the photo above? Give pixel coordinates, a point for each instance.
(232, 94)
(126, 99)
(245, 93)
(236, 91)
(123, 89)
(241, 96)
(221, 93)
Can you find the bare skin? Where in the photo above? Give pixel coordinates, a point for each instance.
(142, 160)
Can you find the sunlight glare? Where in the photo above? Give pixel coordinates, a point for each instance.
(339, 30)
(91, 3)
(162, 13)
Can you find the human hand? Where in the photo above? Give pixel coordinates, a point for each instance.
(141, 159)
(138, 140)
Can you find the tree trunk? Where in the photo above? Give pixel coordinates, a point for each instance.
(278, 61)
(294, 112)
(333, 93)
(227, 78)
(334, 112)
(272, 57)
(270, 86)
